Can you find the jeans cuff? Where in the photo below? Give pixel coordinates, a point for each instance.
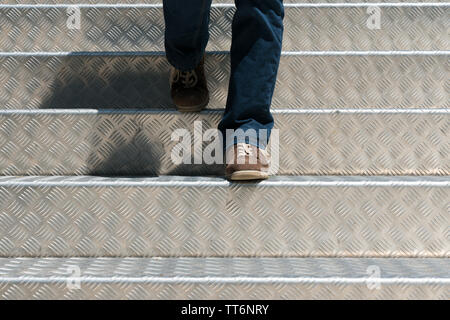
(184, 66)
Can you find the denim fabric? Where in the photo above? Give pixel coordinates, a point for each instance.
(255, 55)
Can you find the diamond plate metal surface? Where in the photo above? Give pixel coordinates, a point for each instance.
(304, 81)
(303, 216)
(342, 142)
(233, 278)
(182, 216)
(307, 29)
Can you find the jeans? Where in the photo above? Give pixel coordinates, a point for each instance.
(255, 55)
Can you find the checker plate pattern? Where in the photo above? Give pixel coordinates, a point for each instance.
(307, 29)
(291, 278)
(387, 81)
(139, 143)
(182, 216)
(173, 216)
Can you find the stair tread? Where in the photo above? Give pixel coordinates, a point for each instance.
(140, 27)
(224, 278)
(399, 270)
(310, 81)
(443, 181)
(324, 142)
(208, 216)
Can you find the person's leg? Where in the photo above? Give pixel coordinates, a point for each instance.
(186, 37)
(255, 55)
(186, 33)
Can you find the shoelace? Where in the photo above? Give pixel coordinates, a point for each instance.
(246, 149)
(243, 150)
(189, 79)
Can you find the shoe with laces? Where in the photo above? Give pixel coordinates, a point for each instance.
(189, 89)
(246, 162)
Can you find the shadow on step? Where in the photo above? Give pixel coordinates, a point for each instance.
(105, 82)
(128, 144)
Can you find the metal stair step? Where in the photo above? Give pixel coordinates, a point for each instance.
(136, 142)
(309, 216)
(224, 278)
(305, 80)
(140, 27)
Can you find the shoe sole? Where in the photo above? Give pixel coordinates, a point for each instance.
(196, 108)
(248, 175)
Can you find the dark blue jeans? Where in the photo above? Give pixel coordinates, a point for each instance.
(255, 55)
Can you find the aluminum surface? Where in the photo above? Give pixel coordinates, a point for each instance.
(193, 216)
(309, 80)
(118, 28)
(349, 101)
(325, 142)
(233, 278)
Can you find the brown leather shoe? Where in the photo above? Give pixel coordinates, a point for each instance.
(246, 162)
(189, 89)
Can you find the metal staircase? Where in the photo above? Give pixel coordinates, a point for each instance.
(91, 205)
